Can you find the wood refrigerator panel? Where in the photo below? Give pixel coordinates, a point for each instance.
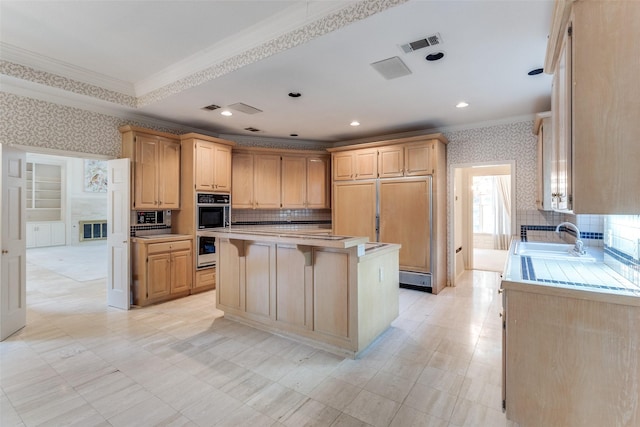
(405, 218)
(354, 212)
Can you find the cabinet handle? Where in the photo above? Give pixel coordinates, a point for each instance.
(499, 291)
(4, 251)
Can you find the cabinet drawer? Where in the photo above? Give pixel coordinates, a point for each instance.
(155, 248)
(205, 278)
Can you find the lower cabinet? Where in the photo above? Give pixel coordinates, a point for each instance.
(50, 233)
(205, 280)
(161, 271)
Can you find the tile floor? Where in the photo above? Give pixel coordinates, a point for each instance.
(182, 364)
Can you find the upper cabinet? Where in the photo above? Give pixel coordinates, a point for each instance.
(156, 167)
(267, 179)
(355, 164)
(212, 163)
(385, 161)
(595, 105)
(546, 188)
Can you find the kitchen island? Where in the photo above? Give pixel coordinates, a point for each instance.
(571, 341)
(338, 293)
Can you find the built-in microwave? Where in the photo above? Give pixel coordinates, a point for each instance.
(213, 210)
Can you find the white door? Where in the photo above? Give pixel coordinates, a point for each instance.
(118, 202)
(13, 296)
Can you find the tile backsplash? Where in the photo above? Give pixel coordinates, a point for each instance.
(245, 216)
(622, 245)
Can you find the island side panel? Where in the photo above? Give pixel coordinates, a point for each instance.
(378, 295)
(228, 294)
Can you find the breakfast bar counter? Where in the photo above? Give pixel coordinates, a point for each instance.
(338, 293)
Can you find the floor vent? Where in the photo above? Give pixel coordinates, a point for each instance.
(93, 230)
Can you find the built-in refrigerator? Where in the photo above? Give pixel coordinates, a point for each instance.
(392, 211)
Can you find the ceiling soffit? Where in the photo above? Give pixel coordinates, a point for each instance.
(331, 21)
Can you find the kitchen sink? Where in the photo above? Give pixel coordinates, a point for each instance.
(550, 250)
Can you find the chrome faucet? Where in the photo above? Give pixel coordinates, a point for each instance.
(579, 245)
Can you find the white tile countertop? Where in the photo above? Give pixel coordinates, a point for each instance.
(586, 278)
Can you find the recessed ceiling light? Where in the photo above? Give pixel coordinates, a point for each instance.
(295, 94)
(535, 71)
(293, 134)
(462, 104)
(355, 123)
(226, 113)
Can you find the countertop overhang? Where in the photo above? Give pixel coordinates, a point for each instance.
(307, 239)
(160, 238)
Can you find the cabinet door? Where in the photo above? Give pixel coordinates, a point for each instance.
(146, 172)
(294, 182)
(169, 175)
(354, 209)
(158, 275)
(318, 183)
(242, 181)
(58, 235)
(418, 159)
(391, 161)
(366, 164)
(222, 168)
(405, 218)
(181, 271)
(562, 127)
(343, 166)
(266, 183)
(204, 159)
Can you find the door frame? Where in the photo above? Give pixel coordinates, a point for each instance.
(467, 205)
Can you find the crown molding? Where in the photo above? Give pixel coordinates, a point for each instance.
(53, 66)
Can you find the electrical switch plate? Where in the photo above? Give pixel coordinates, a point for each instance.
(380, 274)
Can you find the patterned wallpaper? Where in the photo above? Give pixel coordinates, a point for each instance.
(64, 83)
(513, 141)
(42, 124)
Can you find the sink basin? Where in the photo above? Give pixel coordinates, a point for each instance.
(550, 250)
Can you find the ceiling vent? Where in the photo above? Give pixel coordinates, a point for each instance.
(252, 129)
(432, 40)
(211, 107)
(244, 108)
(391, 68)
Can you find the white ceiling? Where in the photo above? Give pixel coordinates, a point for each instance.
(164, 54)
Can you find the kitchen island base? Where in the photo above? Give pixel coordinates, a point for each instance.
(337, 294)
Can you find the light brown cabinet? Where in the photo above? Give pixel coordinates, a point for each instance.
(356, 164)
(564, 346)
(305, 182)
(161, 270)
(404, 203)
(205, 280)
(212, 167)
(354, 209)
(267, 179)
(546, 189)
(392, 161)
(156, 168)
(595, 104)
